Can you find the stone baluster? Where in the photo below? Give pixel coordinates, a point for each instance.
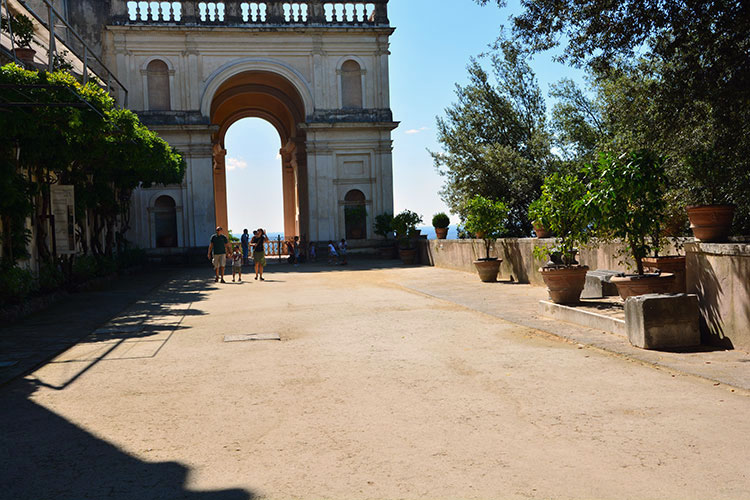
(232, 12)
(118, 12)
(315, 12)
(189, 14)
(275, 12)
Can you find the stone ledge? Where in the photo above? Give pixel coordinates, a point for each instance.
(731, 248)
(582, 317)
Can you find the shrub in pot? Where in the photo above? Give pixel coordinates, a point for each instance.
(405, 226)
(486, 217)
(538, 216)
(627, 196)
(383, 226)
(569, 217)
(22, 29)
(441, 221)
(710, 210)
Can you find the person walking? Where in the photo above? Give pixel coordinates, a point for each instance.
(245, 243)
(312, 253)
(333, 256)
(217, 253)
(237, 263)
(295, 249)
(259, 254)
(342, 251)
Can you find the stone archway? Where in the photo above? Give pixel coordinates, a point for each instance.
(272, 97)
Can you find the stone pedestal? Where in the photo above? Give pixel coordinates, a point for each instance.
(598, 284)
(656, 321)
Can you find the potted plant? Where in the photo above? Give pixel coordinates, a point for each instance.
(627, 195)
(22, 29)
(384, 227)
(711, 210)
(537, 216)
(486, 217)
(569, 217)
(405, 226)
(441, 221)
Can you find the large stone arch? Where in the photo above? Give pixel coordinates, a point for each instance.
(273, 97)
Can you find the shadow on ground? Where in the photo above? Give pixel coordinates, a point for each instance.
(44, 456)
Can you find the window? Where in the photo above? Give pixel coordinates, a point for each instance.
(157, 74)
(351, 85)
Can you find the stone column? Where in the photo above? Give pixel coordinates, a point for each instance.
(220, 187)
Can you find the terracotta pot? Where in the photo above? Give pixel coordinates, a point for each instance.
(711, 223)
(488, 269)
(674, 264)
(441, 232)
(388, 252)
(541, 232)
(564, 284)
(25, 54)
(633, 284)
(407, 255)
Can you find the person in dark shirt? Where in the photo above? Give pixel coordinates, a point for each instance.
(245, 242)
(217, 253)
(259, 252)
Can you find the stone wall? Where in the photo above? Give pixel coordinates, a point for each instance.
(719, 273)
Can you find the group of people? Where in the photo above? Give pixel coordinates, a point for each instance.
(219, 248)
(220, 251)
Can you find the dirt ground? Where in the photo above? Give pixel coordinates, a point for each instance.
(374, 391)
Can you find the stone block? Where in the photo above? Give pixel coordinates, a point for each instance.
(598, 284)
(656, 321)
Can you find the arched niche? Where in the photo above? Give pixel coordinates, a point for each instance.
(351, 85)
(165, 222)
(355, 215)
(157, 80)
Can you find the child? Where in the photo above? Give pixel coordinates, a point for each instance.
(333, 257)
(311, 252)
(237, 263)
(342, 251)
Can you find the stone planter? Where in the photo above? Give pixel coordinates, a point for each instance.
(488, 269)
(564, 284)
(674, 264)
(408, 255)
(711, 223)
(634, 284)
(441, 232)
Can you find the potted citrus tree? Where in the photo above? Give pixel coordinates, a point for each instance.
(405, 226)
(22, 29)
(486, 217)
(537, 216)
(383, 226)
(568, 216)
(710, 210)
(627, 195)
(441, 221)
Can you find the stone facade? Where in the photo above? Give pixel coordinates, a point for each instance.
(317, 70)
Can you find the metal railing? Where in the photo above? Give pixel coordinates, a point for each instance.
(256, 13)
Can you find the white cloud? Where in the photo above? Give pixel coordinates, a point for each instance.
(233, 163)
(416, 130)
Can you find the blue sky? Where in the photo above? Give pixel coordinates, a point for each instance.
(429, 54)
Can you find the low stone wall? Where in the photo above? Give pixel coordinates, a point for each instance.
(719, 273)
(518, 257)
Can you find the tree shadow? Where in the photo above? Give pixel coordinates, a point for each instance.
(42, 455)
(710, 292)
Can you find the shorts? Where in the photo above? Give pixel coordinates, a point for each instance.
(237, 269)
(259, 258)
(220, 260)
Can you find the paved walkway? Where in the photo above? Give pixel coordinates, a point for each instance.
(388, 382)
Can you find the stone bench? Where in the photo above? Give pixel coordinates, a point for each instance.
(598, 284)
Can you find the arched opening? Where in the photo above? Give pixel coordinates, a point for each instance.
(254, 179)
(271, 97)
(157, 77)
(165, 222)
(355, 215)
(351, 85)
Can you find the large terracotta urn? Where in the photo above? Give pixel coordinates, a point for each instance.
(488, 269)
(408, 255)
(711, 223)
(634, 284)
(674, 264)
(564, 284)
(441, 232)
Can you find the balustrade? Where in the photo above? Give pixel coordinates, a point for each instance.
(258, 13)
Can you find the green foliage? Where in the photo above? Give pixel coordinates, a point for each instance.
(627, 196)
(494, 138)
(50, 277)
(486, 217)
(566, 213)
(441, 220)
(16, 284)
(384, 225)
(353, 214)
(538, 213)
(22, 28)
(405, 226)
